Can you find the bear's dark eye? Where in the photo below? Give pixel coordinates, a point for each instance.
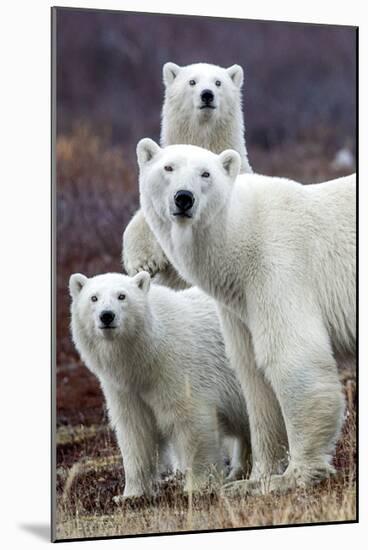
(205, 174)
(168, 168)
(94, 298)
(121, 297)
(192, 82)
(218, 82)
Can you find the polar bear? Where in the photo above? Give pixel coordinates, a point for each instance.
(279, 258)
(160, 358)
(202, 106)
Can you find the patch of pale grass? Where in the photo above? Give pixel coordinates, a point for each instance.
(331, 502)
(90, 474)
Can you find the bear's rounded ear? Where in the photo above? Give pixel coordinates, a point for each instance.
(76, 283)
(230, 161)
(236, 74)
(142, 280)
(170, 72)
(147, 149)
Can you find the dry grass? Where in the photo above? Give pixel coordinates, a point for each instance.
(90, 474)
(332, 502)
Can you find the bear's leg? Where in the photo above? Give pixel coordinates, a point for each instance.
(138, 440)
(240, 459)
(198, 446)
(208, 465)
(268, 433)
(303, 375)
(141, 251)
(307, 385)
(167, 462)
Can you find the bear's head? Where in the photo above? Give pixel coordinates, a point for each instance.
(109, 305)
(203, 91)
(184, 183)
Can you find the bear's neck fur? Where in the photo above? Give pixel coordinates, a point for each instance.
(197, 252)
(128, 351)
(203, 248)
(214, 134)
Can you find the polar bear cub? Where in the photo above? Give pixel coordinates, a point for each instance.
(202, 106)
(279, 258)
(159, 356)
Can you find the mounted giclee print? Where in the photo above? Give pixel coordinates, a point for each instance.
(204, 259)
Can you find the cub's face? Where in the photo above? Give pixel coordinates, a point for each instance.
(203, 90)
(109, 305)
(185, 184)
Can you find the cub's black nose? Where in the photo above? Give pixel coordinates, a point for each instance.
(107, 317)
(207, 96)
(184, 200)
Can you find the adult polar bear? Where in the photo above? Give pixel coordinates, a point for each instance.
(202, 106)
(279, 258)
(160, 357)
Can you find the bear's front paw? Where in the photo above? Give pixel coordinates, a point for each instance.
(141, 251)
(274, 483)
(153, 266)
(132, 495)
(119, 499)
(132, 501)
(153, 261)
(235, 474)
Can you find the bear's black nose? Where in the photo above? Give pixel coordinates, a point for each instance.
(107, 317)
(184, 200)
(207, 96)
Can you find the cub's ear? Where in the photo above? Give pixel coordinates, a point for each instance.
(76, 283)
(169, 72)
(147, 149)
(142, 280)
(230, 161)
(236, 74)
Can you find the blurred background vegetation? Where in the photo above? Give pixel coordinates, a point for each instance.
(299, 108)
(299, 79)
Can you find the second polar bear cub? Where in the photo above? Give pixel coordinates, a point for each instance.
(202, 106)
(279, 258)
(159, 356)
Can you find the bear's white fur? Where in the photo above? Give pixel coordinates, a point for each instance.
(279, 258)
(164, 373)
(185, 119)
